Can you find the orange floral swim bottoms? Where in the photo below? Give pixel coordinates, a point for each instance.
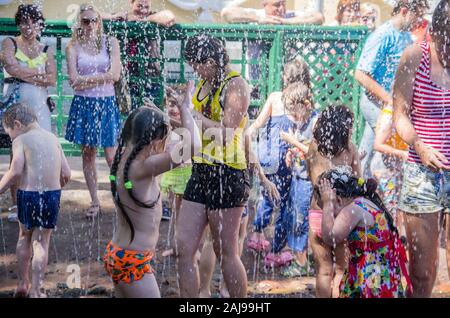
(126, 265)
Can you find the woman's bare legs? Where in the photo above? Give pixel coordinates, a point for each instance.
(422, 233)
(224, 225)
(242, 235)
(147, 287)
(90, 174)
(206, 265)
(447, 241)
(208, 262)
(188, 233)
(110, 152)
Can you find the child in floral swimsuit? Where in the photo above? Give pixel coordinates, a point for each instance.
(353, 211)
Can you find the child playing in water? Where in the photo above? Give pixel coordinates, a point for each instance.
(140, 158)
(173, 182)
(272, 152)
(297, 99)
(353, 211)
(40, 165)
(331, 147)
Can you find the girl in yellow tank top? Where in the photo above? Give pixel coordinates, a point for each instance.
(217, 192)
(211, 106)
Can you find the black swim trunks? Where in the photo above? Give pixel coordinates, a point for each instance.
(218, 187)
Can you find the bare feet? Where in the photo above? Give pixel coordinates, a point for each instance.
(21, 290)
(198, 255)
(224, 291)
(93, 210)
(301, 258)
(37, 294)
(204, 294)
(168, 252)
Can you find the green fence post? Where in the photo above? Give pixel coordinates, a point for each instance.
(275, 61)
(59, 88)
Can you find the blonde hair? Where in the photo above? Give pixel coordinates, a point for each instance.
(295, 95)
(371, 7)
(76, 28)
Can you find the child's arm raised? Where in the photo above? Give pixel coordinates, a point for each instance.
(336, 229)
(157, 164)
(65, 169)
(263, 116)
(17, 165)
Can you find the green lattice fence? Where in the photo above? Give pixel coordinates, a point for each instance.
(332, 55)
(330, 52)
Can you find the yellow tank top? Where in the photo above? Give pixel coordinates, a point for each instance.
(41, 59)
(233, 153)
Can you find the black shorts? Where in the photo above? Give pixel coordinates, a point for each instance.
(217, 187)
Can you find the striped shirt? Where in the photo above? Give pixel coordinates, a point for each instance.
(430, 111)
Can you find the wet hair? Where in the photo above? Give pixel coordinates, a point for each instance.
(297, 94)
(142, 126)
(346, 4)
(441, 19)
(348, 185)
(29, 11)
(296, 70)
(411, 5)
(20, 112)
(332, 130)
(201, 47)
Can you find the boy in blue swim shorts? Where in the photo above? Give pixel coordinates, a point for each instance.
(39, 165)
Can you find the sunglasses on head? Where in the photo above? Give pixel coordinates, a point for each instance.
(88, 21)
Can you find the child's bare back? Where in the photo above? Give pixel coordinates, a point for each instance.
(42, 160)
(145, 220)
(318, 164)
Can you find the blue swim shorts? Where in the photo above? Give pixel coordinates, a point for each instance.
(38, 209)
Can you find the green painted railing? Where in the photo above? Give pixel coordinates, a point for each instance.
(331, 53)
